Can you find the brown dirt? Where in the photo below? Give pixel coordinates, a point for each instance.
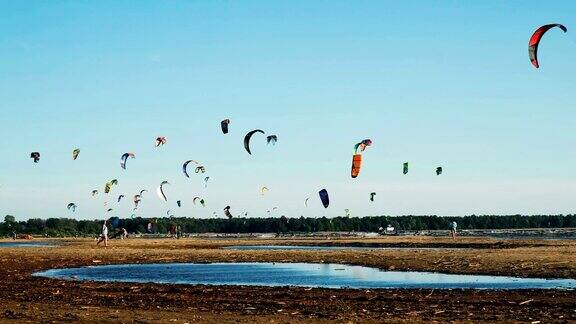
(27, 298)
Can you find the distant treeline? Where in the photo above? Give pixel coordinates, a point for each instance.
(69, 227)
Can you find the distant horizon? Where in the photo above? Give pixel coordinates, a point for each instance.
(457, 91)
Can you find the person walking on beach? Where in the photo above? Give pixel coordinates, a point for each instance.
(453, 230)
(104, 236)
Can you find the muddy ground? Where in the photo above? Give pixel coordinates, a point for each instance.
(27, 298)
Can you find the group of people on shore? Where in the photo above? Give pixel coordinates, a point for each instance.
(176, 233)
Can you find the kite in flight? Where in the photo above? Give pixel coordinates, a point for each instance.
(160, 190)
(75, 154)
(272, 139)
(324, 197)
(35, 156)
(199, 168)
(535, 42)
(124, 158)
(405, 168)
(438, 170)
(263, 191)
(372, 194)
(72, 206)
(137, 199)
(109, 185)
(357, 157)
(227, 212)
(201, 201)
(161, 140)
(248, 137)
(224, 125)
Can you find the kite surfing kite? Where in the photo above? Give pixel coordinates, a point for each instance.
(306, 202)
(137, 199)
(179, 203)
(227, 212)
(206, 181)
(200, 169)
(35, 156)
(272, 139)
(535, 42)
(109, 184)
(161, 140)
(160, 190)
(372, 194)
(357, 157)
(94, 193)
(185, 167)
(107, 187)
(405, 168)
(347, 212)
(224, 125)
(120, 197)
(263, 191)
(125, 157)
(248, 137)
(438, 170)
(142, 192)
(324, 197)
(75, 154)
(199, 199)
(72, 206)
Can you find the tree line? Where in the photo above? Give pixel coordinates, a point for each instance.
(59, 227)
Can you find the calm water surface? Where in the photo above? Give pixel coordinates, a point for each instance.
(295, 274)
(23, 244)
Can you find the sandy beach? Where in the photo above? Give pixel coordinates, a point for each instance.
(28, 298)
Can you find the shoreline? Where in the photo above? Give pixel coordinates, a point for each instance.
(74, 300)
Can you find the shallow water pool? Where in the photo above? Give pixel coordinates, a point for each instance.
(23, 244)
(295, 274)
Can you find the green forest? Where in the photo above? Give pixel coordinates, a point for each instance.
(60, 227)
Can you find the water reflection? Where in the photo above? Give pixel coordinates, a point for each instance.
(23, 244)
(296, 274)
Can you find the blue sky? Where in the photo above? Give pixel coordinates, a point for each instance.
(433, 83)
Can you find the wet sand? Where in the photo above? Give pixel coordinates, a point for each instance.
(27, 298)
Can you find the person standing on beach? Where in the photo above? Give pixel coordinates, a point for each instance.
(453, 230)
(104, 236)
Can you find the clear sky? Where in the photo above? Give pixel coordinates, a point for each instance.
(430, 82)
